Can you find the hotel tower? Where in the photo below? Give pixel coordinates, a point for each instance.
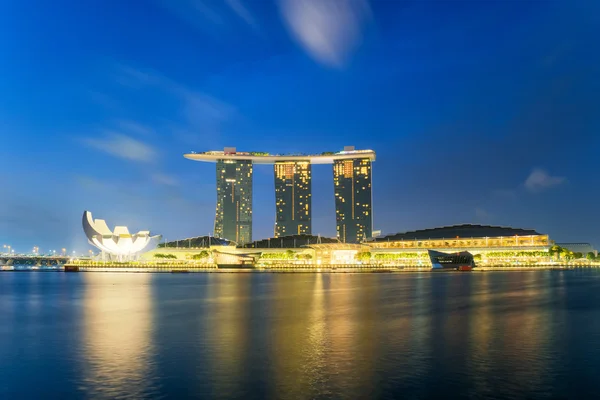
(292, 198)
(293, 192)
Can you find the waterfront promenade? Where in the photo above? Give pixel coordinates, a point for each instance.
(278, 268)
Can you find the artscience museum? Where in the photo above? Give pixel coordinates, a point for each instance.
(117, 245)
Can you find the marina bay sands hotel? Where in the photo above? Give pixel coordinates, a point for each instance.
(293, 192)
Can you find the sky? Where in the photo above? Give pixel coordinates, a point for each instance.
(481, 112)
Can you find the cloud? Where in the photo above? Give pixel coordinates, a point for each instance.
(123, 146)
(205, 14)
(133, 77)
(539, 180)
(164, 179)
(134, 128)
(242, 12)
(328, 30)
(205, 112)
(25, 215)
(201, 112)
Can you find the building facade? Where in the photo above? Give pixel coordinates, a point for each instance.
(490, 247)
(293, 193)
(233, 218)
(353, 199)
(583, 248)
(292, 198)
(118, 244)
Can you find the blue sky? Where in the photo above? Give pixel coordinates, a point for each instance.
(480, 112)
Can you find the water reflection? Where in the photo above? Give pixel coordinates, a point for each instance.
(298, 336)
(118, 322)
(272, 336)
(314, 366)
(227, 335)
(323, 336)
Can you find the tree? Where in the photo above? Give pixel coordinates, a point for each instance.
(161, 255)
(363, 256)
(566, 254)
(590, 256)
(555, 251)
(290, 254)
(577, 255)
(201, 255)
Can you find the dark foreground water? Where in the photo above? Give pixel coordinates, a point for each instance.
(293, 336)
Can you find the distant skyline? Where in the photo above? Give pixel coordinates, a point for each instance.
(479, 112)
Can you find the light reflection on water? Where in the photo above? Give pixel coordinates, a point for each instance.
(473, 335)
(117, 328)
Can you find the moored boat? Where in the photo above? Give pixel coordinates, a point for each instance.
(460, 261)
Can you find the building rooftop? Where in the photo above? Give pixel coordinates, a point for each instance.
(197, 242)
(265, 158)
(289, 242)
(457, 231)
(339, 246)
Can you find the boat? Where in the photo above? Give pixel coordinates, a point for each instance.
(71, 268)
(235, 261)
(460, 261)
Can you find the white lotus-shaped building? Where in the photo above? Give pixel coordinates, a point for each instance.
(119, 244)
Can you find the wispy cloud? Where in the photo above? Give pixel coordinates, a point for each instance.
(205, 112)
(540, 180)
(201, 113)
(122, 146)
(164, 179)
(134, 128)
(242, 12)
(204, 14)
(133, 77)
(328, 30)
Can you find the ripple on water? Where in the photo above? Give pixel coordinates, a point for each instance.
(271, 336)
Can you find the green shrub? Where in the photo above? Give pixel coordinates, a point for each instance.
(161, 255)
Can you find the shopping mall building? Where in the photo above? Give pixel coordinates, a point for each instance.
(491, 245)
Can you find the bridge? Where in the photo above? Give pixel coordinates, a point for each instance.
(33, 261)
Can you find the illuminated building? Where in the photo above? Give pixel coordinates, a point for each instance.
(466, 237)
(233, 218)
(583, 248)
(353, 206)
(293, 193)
(119, 245)
(292, 198)
(490, 246)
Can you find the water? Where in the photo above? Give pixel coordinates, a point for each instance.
(491, 335)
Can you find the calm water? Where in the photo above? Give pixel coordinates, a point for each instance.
(294, 336)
